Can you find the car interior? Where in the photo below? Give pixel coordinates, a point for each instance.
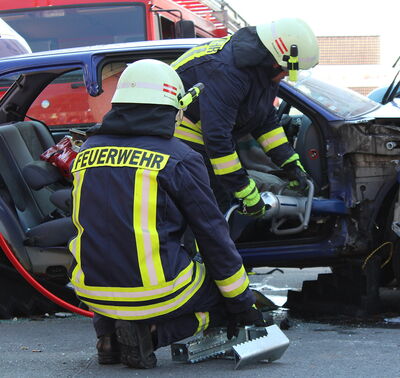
(42, 206)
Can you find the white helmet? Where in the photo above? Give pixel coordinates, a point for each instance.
(280, 35)
(149, 81)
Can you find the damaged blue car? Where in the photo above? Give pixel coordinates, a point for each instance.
(349, 144)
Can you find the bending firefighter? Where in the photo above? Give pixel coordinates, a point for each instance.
(136, 188)
(241, 74)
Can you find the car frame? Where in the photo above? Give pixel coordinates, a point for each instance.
(349, 158)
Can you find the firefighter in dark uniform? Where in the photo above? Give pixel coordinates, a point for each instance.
(136, 187)
(241, 74)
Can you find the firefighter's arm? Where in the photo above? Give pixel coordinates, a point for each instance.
(273, 140)
(219, 106)
(198, 205)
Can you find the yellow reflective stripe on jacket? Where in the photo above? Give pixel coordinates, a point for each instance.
(156, 309)
(234, 285)
(191, 125)
(199, 51)
(110, 156)
(272, 139)
(204, 320)
(75, 244)
(189, 131)
(188, 134)
(136, 294)
(145, 228)
(226, 164)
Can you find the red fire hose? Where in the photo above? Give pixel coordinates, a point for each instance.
(24, 273)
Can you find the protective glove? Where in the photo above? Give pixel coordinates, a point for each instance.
(252, 316)
(297, 176)
(252, 203)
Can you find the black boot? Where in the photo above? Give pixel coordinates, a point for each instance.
(137, 349)
(108, 350)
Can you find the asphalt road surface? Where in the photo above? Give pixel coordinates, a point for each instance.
(65, 346)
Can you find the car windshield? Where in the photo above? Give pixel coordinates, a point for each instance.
(342, 102)
(75, 26)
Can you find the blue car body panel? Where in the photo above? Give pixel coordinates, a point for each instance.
(91, 59)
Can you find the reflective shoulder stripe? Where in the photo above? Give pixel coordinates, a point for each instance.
(111, 156)
(272, 139)
(136, 294)
(199, 51)
(194, 52)
(188, 134)
(119, 311)
(75, 244)
(145, 227)
(226, 164)
(204, 320)
(234, 285)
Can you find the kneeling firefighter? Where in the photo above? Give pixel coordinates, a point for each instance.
(241, 74)
(136, 188)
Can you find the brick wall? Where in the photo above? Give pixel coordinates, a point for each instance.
(349, 49)
(362, 90)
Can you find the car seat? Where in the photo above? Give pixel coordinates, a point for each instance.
(32, 185)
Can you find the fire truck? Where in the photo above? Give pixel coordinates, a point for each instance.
(58, 24)
(61, 24)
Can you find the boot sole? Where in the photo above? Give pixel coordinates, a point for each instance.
(107, 359)
(136, 345)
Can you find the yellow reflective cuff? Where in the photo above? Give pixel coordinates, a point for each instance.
(294, 157)
(204, 320)
(272, 139)
(298, 163)
(247, 190)
(252, 199)
(234, 285)
(111, 156)
(226, 164)
(275, 144)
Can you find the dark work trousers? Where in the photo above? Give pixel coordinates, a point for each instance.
(181, 323)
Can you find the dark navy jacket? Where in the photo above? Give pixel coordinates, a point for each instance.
(237, 98)
(133, 197)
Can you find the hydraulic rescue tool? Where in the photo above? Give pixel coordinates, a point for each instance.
(251, 345)
(282, 208)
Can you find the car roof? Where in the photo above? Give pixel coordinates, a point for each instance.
(89, 57)
(84, 51)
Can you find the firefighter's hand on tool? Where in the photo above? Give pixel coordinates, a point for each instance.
(250, 317)
(251, 201)
(297, 176)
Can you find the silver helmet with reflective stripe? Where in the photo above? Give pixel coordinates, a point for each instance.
(149, 81)
(278, 37)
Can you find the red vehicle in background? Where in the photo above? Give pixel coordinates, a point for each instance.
(59, 24)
